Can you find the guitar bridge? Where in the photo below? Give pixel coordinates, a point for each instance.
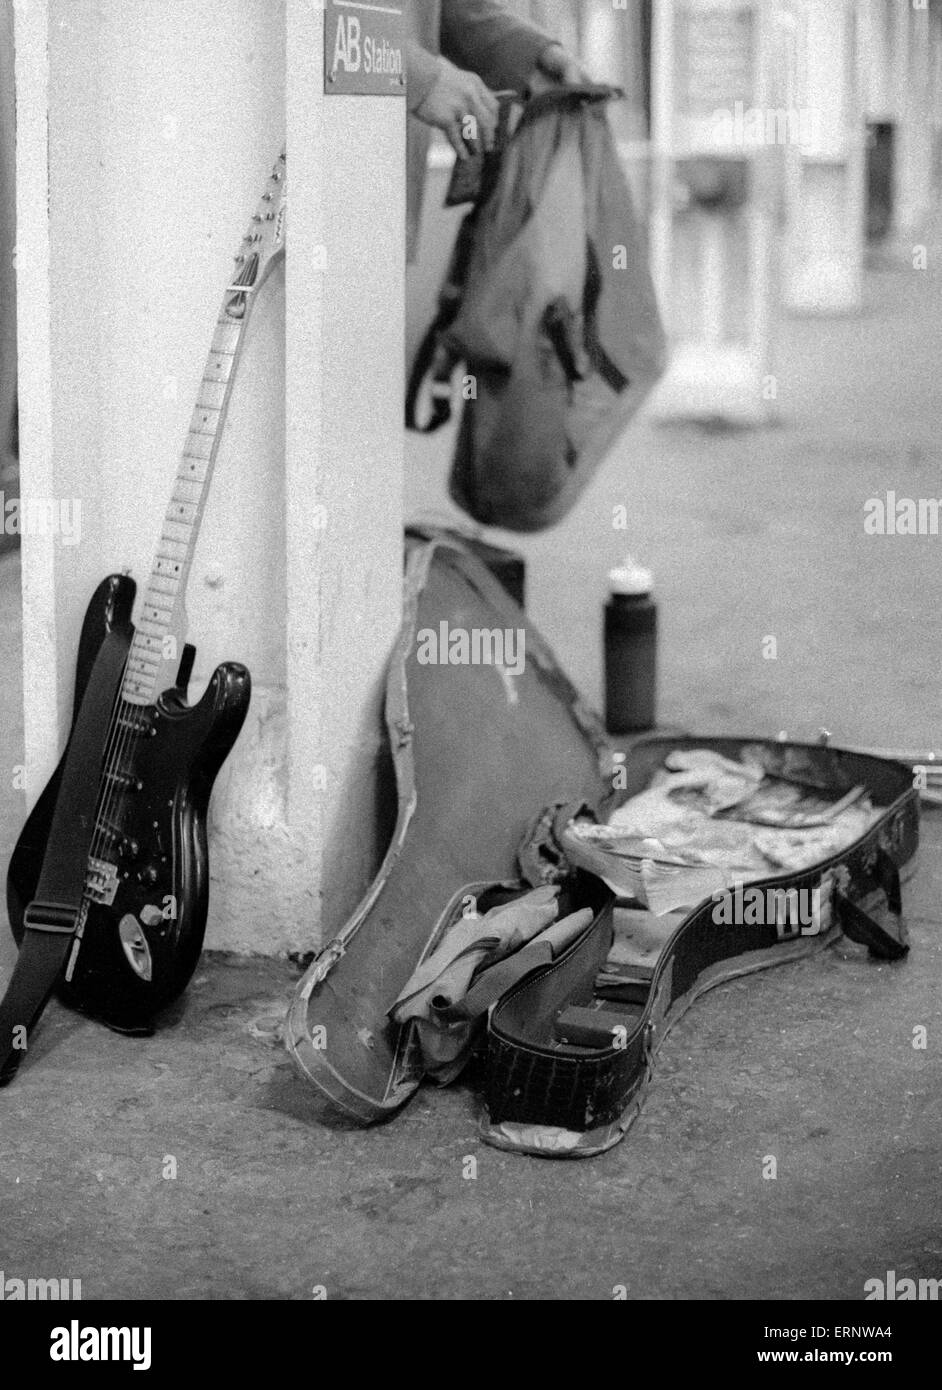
(101, 881)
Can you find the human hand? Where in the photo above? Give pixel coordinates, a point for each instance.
(557, 67)
(463, 108)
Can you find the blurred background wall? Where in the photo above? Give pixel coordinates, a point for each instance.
(771, 146)
(8, 462)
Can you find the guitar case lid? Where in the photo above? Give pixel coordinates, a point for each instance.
(484, 729)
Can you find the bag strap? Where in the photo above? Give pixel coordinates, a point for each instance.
(607, 369)
(434, 358)
(859, 926)
(52, 919)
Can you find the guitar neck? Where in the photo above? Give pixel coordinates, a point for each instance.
(162, 616)
(161, 626)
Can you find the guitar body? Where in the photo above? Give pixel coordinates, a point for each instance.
(147, 905)
(108, 886)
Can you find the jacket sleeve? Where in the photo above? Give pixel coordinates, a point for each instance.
(483, 36)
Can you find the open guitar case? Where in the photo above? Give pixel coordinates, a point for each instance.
(488, 767)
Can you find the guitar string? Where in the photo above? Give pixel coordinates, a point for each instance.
(109, 764)
(124, 737)
(118, 744)
(96, 850)
(115, 753)
(123, 740)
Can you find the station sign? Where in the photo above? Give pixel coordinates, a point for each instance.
(364, 48)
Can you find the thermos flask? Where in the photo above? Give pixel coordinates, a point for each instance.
(630, 650)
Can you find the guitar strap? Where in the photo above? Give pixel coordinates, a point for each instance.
(51, 919)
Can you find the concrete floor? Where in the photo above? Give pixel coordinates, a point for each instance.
(750, 535)
(810, 1063)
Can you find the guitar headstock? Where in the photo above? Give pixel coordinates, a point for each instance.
(263, 243)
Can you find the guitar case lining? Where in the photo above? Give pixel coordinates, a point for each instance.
(539, 1098)
(489, 764)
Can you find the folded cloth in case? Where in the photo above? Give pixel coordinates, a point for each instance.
(479, 959)
(444, 977)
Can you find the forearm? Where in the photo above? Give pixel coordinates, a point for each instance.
(422, 69)
(482, 36)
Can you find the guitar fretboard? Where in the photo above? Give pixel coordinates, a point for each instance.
(153, 640)
(154, 654)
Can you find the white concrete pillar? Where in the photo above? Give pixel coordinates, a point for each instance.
(912, 70)
(610, 48)
(345, 446)
(824, 252)
(7, 272)
(43, 679)
(164, 120)
(662, 148)
(875, 21)
(712, 266)
(601, 40)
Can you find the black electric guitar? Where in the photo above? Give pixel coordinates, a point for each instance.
(108, 885)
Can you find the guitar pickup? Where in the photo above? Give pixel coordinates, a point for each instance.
(125, 780)
(101, 881)
(135, 725)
